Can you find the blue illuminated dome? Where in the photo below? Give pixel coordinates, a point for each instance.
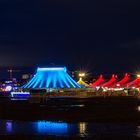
(52, 78)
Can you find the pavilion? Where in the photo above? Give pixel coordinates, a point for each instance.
(51, 77)
(81, 82)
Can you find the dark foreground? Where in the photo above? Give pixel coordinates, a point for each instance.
(65, 118)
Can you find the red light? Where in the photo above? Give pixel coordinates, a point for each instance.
(111, 81)
(98, 81)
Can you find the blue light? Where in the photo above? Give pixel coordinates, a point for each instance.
(54, 81)
(37, 82)
(52, 78)
(48, 81)
(51, 69)
(20, 94)
(9, 126)
(52, 127)
(41, 83)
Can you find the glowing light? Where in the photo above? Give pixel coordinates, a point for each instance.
(97, 87)
(20, 94)
(105, 89)
(134, 83)
(82, 74)
(52, 127)
(138, 108)
(138, 75)
(52, 78)
(82, 128)
(123, 81)
(8, 88)
(9, 126)
(118, 89)
(98, 82)
(111, 81)
(51, 69)
(81, 82)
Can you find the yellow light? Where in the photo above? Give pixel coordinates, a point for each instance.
(138, 75)
(138, 108)
(81, 74)
(80, 79)
(82, 127)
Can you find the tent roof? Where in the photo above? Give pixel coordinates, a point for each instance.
(98, 82)
(123, 82)
(112, 81)
(134, 83)
(81, 82)
(52, 77)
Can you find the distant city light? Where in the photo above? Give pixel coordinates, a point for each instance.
(82, 127)
(20, 94)
(138, 108)
(8, 88)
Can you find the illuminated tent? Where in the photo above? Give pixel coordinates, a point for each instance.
(52, 78)
(81, 82)
(123, 82)
(112, 81)
(135, 83)
(98, 82)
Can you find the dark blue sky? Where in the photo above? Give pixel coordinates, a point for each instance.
(101, 35)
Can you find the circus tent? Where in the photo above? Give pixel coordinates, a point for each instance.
(81, 82)
(51, 77)
(134, 83)
(123, 82)
(112, 81)
(98, 82)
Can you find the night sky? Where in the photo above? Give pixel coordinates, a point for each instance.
(98, 35)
